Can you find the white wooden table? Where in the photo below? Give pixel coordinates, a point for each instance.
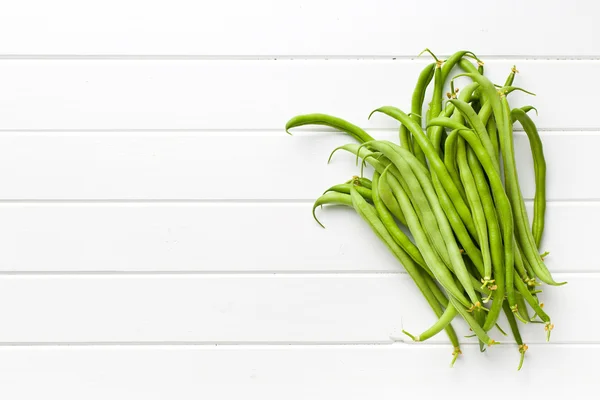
(156, 240)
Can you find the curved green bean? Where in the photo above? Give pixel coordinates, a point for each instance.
(539, 166)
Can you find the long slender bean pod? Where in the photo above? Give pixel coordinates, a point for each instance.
(476, 208)
(539, 166)
(331, 121)
(369, 214)
(435, 162)
(387, 219)
(516, 334)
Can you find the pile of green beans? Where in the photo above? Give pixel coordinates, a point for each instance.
(452, 182)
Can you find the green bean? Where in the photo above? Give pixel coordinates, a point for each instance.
(435, 106)
(500, 196)
(486, 110)
(418, 98)
(330, 198)
(345, 188)
(399, 237)
(523, 232)
(495, 238)
(419, 197)
(528, 269)
(457, 224)
(476, 207)
(515, 331)
(467, 66)
(379, 165)
(331, 121)
(539, 166)
(522, 310)
(511, 77)
(437, 292)
(532, 301)
(450, 160)
(431, 257)
(360, 181)
(457, 58)
(437, 131)
(493, 135)
(520, 265)
(390, 202)
(437, 327)
(369, 214)
(435, 163)
(471, 116)
(405, 139)
(526, 109)
(407, 165)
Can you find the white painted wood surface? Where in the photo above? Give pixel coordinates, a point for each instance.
(156, 239)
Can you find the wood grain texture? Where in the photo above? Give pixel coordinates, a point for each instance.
(307, 27)
(260, 94)
(233, 165)
(251, 308)
(235, 237)
(296, 372)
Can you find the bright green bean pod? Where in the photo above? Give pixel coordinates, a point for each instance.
(511, 77)
(405, 140)
(431, 257)
(476, 208)
(405, 162)
(418, 98)
(450, 160)
(516, 334)
(495, 239)
(435, 106)
(522, 310)
(436, 131)
(328, 120)
(388, 220)
(379, 165)
(425, 210)
(457, 58)
(369, 214)
(437, 327)
(435, 162)
(493, 135)
(360, 181)
(345, 188)
(539, 166)
(501, 198)
(523, 232)
(472, 118)
(457, 224)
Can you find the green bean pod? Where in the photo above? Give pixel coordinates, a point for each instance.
(478, 126)
(369, 214)
(515, 331)
(476, 208)
(399, 237)
(439, 269)
(539, 166)
(418, 98)
(524, 235)
(345, 188)
(330, 121)
(435, 162)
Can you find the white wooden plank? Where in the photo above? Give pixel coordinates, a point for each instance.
(230, 94)
(296, 372)
(255, 308)
(308, 27)
(268, 237)
(233, 166)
